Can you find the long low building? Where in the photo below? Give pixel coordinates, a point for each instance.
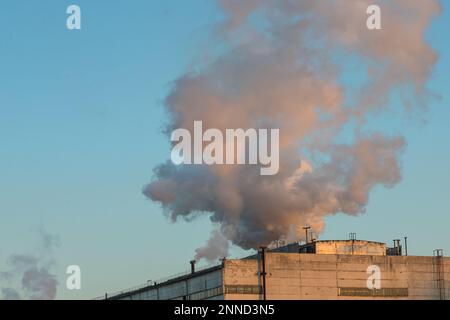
(346, 269)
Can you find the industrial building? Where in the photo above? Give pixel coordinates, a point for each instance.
(337, 269)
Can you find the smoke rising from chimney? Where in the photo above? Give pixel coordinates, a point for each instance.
(217, 247)
(280, 64)
(31, 273)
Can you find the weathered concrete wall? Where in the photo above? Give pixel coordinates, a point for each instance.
(355, 247)
(315, 276)
(240, 273)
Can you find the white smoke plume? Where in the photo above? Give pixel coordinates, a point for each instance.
(282, 64)
(217, 247)
(28, 276)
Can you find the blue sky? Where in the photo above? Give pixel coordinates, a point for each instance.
(80, 132)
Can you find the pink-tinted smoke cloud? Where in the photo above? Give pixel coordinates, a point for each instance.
(281, 64)
(29, 275)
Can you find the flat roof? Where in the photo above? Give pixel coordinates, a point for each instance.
(349, 240)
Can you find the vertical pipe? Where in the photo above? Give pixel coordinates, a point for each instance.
(259, 275)
(263, 260)
(406, 246)
(398, 251)
(306, 231)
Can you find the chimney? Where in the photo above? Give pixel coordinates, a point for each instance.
(397, 247)
(192, 266)
(406, 246)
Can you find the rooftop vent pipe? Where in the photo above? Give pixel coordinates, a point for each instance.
(192, 266)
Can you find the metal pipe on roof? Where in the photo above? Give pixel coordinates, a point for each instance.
(406, 246)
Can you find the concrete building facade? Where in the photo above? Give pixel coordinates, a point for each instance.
(336, 270)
